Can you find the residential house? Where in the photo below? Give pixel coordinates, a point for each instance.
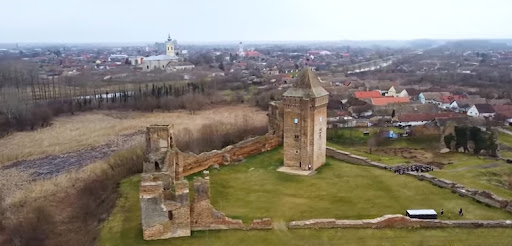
(381, 101)
(463, 105)
(412, 108)
(180, 66)
(391, 92)
(481, 110)
(367, 94)
(413, 93)
(446, 101)
(432, 97)
(253, 53)
(421, 119)
(499, 101)
(403, 93)
(503, 113)
(361, 111)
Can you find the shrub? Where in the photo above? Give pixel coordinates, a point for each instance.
(31, 227)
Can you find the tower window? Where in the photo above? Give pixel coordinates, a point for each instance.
(169, 215)
(296, 120)
(320, 118)
(296, 137)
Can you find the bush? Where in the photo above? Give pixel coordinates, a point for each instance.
(217, 135)
(31, 227)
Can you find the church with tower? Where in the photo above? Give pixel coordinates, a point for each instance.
(162, 61)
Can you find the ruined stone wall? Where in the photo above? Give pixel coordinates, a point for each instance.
(162, 217)
(397, 221)
(203, 215)
(354, 159)
(482, 196)
(275, 118)
(192, 163)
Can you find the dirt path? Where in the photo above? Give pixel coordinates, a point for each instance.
(54, 165)
(83, 130)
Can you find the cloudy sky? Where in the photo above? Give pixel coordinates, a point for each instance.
(257, 20)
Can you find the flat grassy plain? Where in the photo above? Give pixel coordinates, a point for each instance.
(253, 189)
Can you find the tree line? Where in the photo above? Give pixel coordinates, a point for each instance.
(472, 138)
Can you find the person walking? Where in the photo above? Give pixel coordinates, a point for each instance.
(442, 212)
(460, 212)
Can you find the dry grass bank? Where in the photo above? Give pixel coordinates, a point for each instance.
(69, 133)
(68, 209)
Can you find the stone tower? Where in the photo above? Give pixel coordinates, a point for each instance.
(169, 47)
(305, 123)
(164, 195)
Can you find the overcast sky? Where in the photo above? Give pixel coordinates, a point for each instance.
(258, 20)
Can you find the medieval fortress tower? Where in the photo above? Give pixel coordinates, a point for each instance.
(305, 123)
(167, 207)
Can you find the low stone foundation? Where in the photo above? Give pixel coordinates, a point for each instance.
(397, 221)
(203, 215)
(483, 196)
(261, 224)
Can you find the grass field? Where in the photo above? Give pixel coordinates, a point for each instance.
(477, 173)
(363, 151)
(505, 138)
(82, 130)
(254, 189)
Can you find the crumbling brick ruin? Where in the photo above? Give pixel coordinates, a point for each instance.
(166, 208)
(204, 215)
(164, 201)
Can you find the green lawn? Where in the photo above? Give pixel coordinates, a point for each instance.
(363, 151)
(350, 137)
(253, 189)
(505, 139)
(482, 174)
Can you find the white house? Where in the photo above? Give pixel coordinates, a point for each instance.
(481, 110)
(403, 93)
(413, 119)
(432, 97)
(463, 105)
(391, 92)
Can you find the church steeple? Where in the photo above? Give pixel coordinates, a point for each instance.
(169, 38)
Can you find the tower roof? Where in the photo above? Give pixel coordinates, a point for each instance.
(306, 85)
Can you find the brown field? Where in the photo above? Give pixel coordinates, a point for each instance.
(69, 133)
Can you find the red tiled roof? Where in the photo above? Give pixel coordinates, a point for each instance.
(502, 108)
(505, 114)
(451, 98)
(253, 53)
(388, 100)
(367, 94)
